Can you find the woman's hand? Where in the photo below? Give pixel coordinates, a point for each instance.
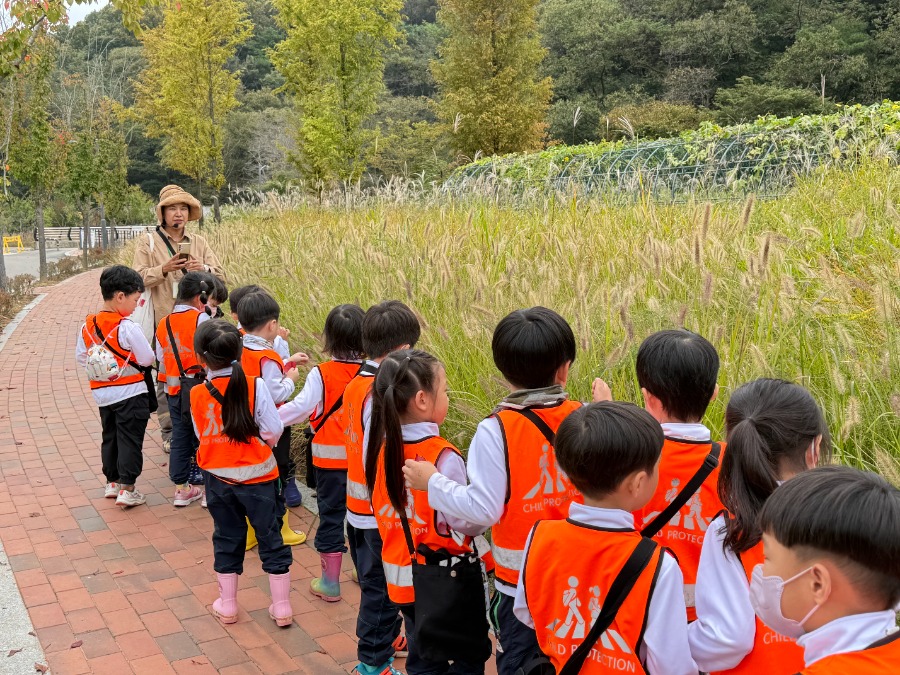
(174, 264)
(194, 265)
(418, 473)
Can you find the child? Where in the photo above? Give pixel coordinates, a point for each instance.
(292, 495)
(319, 401)
(123, 402)
(177, 361)
(677, 372)
(831, 576)
(387, 327)
(514, 480)
(774, 430)
(610, 451)
(217, 299)
(409, 403)
(258, 314)
(237, 424)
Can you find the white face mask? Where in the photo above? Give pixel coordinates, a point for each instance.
(765, 596)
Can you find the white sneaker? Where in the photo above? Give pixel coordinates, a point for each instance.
(112, 491)
(132, 498)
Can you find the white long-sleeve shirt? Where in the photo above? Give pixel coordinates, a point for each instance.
(665, 649)
(131, 338)
(201, 317)
(309, 402)
(280, 387)
(725, 629)
(848, 634)
(264, 412)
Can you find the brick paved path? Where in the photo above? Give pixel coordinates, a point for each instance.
(133, 586)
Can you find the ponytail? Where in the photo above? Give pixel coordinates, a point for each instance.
(771, 424)
(219, 345)
(237, 419)
(401, 376)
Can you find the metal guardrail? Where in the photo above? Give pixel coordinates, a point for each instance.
(73, 237)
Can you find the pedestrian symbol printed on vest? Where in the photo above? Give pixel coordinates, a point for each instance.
(546, 480)
(213, 426)
(574, 626)
(388, 511)
(692, 520)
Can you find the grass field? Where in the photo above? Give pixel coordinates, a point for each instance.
(806, 287)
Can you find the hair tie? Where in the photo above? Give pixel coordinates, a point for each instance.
(234, 363)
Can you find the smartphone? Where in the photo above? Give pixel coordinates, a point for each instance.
(184, 250)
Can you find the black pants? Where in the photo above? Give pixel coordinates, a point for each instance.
(379, 622)
(282, 452)
(519, 642)
(331, 496)
(416, 665)
(183, 451)
(122, 445)
(230, 506)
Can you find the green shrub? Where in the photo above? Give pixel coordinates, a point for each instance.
(654, 119)
(747, 100)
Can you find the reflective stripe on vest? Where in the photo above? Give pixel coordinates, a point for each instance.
(108, 323)
(355, 396)
(565, 590)
(509, 558)
(184, 326)
(684, 533)
(244, 474)
(329, 451)
(398, 575)
(537, 489)
(329, 433)
(771, 653)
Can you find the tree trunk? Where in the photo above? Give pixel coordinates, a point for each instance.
(86, 226)
(42, 241)
(2, 263)
(217, 215)
(104, 236)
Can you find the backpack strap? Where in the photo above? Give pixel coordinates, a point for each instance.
(165, 241)
(710, 462)
(215, 393)
(173, 345)
(337, 404)
(116, 352)
(542, 426)
(618, 591)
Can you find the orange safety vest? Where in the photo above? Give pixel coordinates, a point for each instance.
(568, 571)
(184, 326)
(683, 535)
(422, 522)
(536, 488)
(355, 396)
(108, 323)
(772, 654)
(251, 462)
(329, 449)
(252, 360)
(881, 658)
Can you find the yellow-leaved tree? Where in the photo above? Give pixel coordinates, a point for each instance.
(186, 91)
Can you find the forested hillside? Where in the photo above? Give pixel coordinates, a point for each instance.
(368, 89)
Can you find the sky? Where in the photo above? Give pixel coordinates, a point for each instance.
(78, 12)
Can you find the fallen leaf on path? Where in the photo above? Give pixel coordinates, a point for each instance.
(76, 644)
(32, 633)
(13, 652)
(119, 572)
(40, 667)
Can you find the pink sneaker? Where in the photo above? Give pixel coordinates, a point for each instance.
(185, 494)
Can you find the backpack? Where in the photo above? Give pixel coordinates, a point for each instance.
(101, 363)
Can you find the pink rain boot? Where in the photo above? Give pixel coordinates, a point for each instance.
(328, 586)
(280, 610)
(226, 608)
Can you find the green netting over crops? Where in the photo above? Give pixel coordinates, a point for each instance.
(763, 157)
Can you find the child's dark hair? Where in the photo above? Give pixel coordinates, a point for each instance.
(530, 346)
(601, 444)
(120, 278)
(219, 345)
(343, 332)
(770, 425)
(239, 293)
(220, 292)
(256, 310)
(389, 325)
(195, 284)
(679, 368)
(401, 376)
(847, 514)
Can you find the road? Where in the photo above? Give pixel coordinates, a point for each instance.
(27, 262)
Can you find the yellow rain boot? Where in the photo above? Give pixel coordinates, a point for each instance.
(288, 535)
(251, 536)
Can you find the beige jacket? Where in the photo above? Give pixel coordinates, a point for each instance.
(149, 265)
